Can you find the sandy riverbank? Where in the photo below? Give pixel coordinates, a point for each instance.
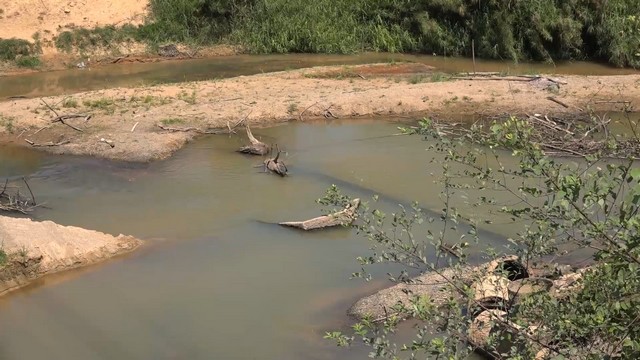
(35, 249)
(129, 117)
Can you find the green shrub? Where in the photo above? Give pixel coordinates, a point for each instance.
(203, 21)
(31, 62)
(10, 49)
(102, 36)
(545, 30)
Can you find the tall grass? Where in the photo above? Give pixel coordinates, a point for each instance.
(546, 30)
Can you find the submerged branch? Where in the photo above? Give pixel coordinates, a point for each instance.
(13, 201)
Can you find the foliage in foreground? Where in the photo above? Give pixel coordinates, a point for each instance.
(592, 202)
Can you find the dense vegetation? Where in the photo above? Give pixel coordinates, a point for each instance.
(543, 30)
(516, 30)
(591, 202)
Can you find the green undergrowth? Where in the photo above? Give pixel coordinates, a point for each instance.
(31, 62)
(7, 123)
(172, 121)
(21, 52)
(542, 30)
(83, 39)
(10, 49)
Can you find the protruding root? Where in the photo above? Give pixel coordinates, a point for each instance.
(257, 147)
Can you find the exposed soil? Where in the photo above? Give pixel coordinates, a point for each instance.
(35, 249)
(23, 18)
(383, 90)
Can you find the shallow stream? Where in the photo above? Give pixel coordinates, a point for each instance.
(139, 74)
(216, 280)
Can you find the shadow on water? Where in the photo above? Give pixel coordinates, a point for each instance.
(136, 74)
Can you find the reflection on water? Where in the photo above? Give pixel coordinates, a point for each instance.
(218, 281)
(136, 74)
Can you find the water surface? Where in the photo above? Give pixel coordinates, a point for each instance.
(138, 74)
(216, 281)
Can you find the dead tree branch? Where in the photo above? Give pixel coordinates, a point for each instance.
(51, 143)
(551, 98)
(13, 201)
(340, 218)
(256, 147)
(305, 110)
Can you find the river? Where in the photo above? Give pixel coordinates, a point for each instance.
(139, 74)
(216, 280)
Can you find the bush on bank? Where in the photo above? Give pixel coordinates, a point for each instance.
(542, 30)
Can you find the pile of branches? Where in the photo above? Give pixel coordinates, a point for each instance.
(12, 200)
(577, 136)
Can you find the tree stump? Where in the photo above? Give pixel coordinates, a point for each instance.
(257, 147)
(275, 165)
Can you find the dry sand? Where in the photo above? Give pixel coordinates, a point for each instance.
(36, 249)
(23, 18)
(383, 91)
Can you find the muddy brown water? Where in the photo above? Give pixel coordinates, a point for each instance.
(138, 74)
(216, 280)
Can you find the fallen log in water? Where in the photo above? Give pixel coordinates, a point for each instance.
(341, 218)
(257, 147)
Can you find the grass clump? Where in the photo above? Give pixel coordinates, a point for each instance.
(344, 73)
(440, 77)
(171, 121)
(101, 36)
(70, 103)
(7, 123)
(435, 77)
(31, 62)
(104, 104)
(3, 257)
(189, 98)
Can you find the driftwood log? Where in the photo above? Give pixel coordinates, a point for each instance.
(340, 218)
(276, 165)
(257, 147)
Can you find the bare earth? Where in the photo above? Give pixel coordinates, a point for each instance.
(299, 95)
(23, 18)
(36, 249)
